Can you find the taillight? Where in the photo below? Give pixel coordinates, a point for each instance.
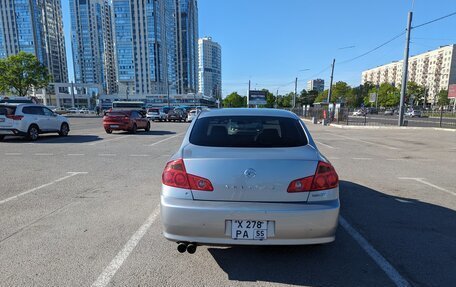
(325, 178)
(126, 118)
(175, 175)
(301, 185)
(15, 118)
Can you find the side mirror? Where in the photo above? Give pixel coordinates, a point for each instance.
(54, 114)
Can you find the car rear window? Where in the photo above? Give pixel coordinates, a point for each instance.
(248, 131)
(7, 110)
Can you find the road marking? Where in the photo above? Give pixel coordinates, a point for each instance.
(368, 142)
(44, 154)
(106, 154)
(109, 272)
(323, 144)
(421, 180)
(13, 153)
(362, 158)
(374, 254)
(138, 155)
(110, 140)
(396, 159)
(75, 154)
(70, 174)
(155, 143)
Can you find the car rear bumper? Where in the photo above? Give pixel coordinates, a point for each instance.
(209, 222)
(11, 132)
(120, 127)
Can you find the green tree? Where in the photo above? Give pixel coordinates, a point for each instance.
(306, 98)
(340, 91)
(415, 93)
(285, 101)
(388, 95)
(322, 97)
(442, 98)
(270, 99)
(234, 100)
(19, 73)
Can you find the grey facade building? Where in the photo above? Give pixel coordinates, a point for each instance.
(35, 26)
(92, 43)
(209, 67)
(316, 85)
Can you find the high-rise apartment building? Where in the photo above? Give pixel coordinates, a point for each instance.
(435, 70)
(156, 46)
(35, 26)
(140, 46)
(316, 85)
(187, 45)
(209, 67)
(92, 43)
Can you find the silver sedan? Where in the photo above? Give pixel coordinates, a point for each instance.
(249, 177)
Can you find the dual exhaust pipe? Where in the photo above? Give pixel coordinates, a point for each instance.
(186, 246)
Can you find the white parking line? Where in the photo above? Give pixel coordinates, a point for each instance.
(323, 144)
(138, 155)
(44, 154)
(109, 272)
(109, 140)
(107, 154)
(155, 143)
(421, 180)
(368, 142)
(71, 174)
(362, 158)
(390, 271)
(75, 154)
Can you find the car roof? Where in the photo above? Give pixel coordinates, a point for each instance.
(248, 112)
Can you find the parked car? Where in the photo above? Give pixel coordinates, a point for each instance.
(84, 111)
(73, 110)
(413, 113)
(155, 114)
(249, 177)
(30, 120)
(176, 115)
(192, 114)
(60, 110)
(389, 112)
(125, 120)
(359, 113)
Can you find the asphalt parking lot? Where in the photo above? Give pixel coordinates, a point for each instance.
(83, 211)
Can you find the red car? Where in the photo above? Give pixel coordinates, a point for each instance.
(125, 120)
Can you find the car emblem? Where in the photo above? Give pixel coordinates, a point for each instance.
(250, 173)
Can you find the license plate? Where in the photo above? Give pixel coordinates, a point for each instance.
(249, 229)
(114, 126)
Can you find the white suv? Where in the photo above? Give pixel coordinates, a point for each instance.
(30, 120)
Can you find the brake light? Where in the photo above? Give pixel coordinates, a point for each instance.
(15, 118)
(325, 178)
(175, 175)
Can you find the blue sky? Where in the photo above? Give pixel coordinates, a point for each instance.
(270, 41)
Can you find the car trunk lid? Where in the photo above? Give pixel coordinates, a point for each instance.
(250, 174)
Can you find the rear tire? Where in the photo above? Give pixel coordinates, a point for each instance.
(2, 137)
(147, 127)
(33, 133)
(108, 131)
(64, 130)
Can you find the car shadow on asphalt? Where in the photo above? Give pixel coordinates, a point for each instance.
(55, 139)
(144, 133)
(417, 238)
